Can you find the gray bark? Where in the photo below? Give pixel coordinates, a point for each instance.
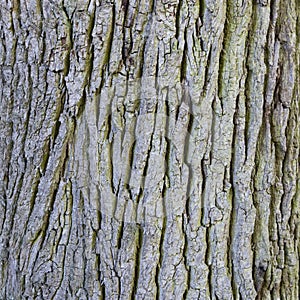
(149, 149)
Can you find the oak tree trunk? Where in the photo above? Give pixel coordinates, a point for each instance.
(149, 149)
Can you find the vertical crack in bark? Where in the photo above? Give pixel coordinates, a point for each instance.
(183, 65)
(178, 16)
(208, 261)
(69, 39)
(110, 38)
(138, 255)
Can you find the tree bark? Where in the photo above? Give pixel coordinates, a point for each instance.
(149, 149)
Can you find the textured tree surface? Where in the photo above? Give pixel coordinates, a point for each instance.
(149, 149)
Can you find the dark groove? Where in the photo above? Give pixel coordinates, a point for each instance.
(185, 253)
(137, 260)
(177, 19)
(111, 37)
(161, 249)
(208, 262)
(183, 65)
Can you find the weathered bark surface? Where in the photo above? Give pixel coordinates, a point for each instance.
(149, 149)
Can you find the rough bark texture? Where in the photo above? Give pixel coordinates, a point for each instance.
(149, 149)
